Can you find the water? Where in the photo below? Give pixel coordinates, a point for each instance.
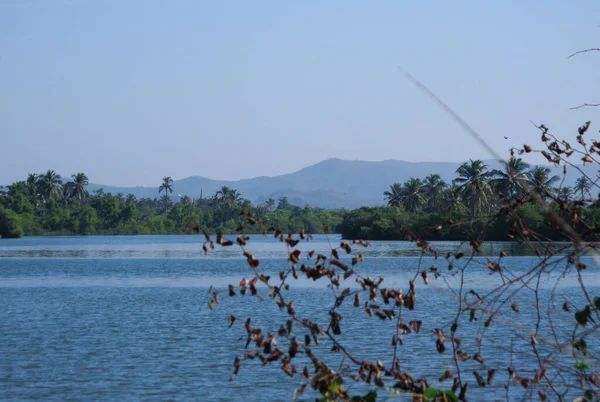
(126, 318)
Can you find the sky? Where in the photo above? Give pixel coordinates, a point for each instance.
(131, 91)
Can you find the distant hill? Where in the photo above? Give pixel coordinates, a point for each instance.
(333, 183)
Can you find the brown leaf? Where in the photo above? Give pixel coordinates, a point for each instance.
(236, 365)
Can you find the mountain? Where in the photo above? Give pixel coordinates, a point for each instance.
(333, 183)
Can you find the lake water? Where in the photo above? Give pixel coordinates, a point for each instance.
(126, 317)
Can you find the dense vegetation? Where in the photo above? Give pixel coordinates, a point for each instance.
(44, 204)
(428, 207)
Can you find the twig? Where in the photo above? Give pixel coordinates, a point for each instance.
(584, 105)
(584, 51)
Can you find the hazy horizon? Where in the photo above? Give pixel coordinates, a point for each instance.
(131, 92)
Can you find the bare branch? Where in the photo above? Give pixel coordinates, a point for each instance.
(584, 51)
(584, 105)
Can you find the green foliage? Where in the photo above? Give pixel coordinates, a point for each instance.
(42, 204)
(583, 316)
(10, 224)
(431, 394)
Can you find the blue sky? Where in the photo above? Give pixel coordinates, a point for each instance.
(131, 91)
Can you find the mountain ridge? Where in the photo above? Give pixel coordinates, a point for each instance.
(331, 183)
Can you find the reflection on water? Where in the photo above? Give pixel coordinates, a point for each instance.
(191, 247)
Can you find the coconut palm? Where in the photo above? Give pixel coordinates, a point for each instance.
(394, 196)
(261, 211)
(76, 187)
(228, 195)
(513, 181)
(453, 200)
(473, 182)
(49, 185)
(541, 181)
(582, 186)
(413, 197)
(433, 188)
(564, 193)
(166, 186)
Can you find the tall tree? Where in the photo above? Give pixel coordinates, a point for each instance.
(565, 193)
(283, 203)
(473, 181)
(541, 180)
(130, 199)
(433, 189)
(49, 185)
(582, 186)
(76, 187)
(413, 197)
(453, 200)
(270, 204)
(394, 195)
(513, 181)
(166, 186)
(227, 195)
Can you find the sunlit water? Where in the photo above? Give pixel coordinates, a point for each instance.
(126, 318)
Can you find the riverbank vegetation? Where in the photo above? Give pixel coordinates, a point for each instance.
(429, 207)
(46, 204)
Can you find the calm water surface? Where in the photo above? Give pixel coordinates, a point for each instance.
(126, 317)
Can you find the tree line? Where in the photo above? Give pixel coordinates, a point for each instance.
(427, 205)
(46, 204)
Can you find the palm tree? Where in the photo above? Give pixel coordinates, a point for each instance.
(473, 182)
(541, 180)
(452, 199)
(49, 185)
(394, 196)
(260, 212)
(166, 186)
(433, 188)
(227, 195)
(270, 204)
(130, 199)
(565, 193)
(582, 185)
(413, 198)
(514, 180)
(76, 187)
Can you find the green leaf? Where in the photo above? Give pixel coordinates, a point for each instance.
(336, 386)
(450, 396)
(430, 393)
(583, 316)
(581, 365)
